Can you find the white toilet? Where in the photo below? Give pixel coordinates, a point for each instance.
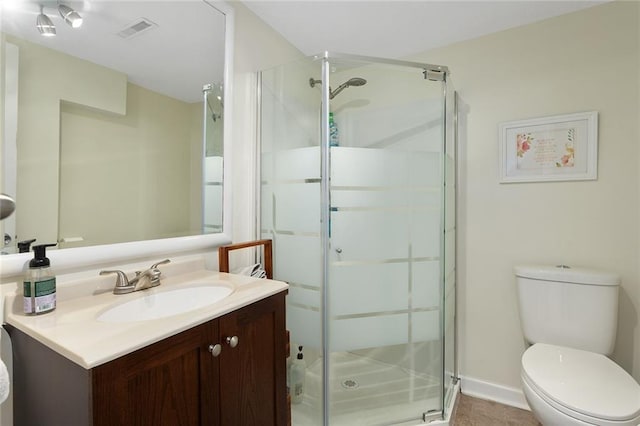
(569, 315)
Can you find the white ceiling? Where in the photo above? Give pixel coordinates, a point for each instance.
(185, 51)
(176, 58)
(396, 29)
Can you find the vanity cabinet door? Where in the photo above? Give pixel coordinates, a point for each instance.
(172, 382)
(253, 373)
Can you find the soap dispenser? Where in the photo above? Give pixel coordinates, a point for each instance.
(298, 372)
(25, 246)
(39, 286)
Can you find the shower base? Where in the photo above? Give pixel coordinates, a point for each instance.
(365, 392)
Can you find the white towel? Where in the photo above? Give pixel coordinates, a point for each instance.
(254, 270)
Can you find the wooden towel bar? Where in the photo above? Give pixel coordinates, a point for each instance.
(223, 255)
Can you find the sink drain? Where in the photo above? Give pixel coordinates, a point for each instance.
(350, 384)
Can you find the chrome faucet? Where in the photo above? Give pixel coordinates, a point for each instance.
(142, 280)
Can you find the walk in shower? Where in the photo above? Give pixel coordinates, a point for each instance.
(358, 195)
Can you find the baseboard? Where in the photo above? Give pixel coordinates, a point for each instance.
(494, 392)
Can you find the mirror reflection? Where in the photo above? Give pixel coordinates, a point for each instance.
(112, 130)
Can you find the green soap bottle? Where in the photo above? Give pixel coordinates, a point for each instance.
(39, 286)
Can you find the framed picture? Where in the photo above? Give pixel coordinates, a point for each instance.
(559, 148)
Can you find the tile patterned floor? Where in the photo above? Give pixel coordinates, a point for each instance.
(478, 412)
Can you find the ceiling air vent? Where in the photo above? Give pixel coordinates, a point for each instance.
(136, 28)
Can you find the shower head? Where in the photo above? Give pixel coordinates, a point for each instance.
(355, 81)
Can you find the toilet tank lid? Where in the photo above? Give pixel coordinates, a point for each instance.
(568, 274)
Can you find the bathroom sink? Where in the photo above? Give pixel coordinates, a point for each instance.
(165, 303)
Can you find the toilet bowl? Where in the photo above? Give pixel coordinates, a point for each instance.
(567, 387)
(569, 316)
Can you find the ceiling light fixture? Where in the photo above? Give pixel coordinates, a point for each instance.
(44, 24)
(70, 16)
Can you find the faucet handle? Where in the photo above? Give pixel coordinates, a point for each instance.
(164, 262)
(121, 279)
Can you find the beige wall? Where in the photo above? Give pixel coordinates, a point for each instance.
(257, 47)
(47, 77)
(579, 62)
(127, 178)
(118, 151)
(585, 61)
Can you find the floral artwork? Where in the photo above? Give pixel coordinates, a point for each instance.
(545, 148)
(568, 159)
(556, 148)
(523, 141)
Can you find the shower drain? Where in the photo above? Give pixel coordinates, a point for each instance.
(350, 384)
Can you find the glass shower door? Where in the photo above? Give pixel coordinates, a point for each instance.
(363, 227)
(385, 263)
(290, 214)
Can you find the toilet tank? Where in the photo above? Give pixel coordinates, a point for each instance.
(566, 306)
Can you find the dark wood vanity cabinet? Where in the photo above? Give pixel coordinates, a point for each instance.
(178, 381)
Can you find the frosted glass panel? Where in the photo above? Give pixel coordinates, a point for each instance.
(368, 167)
(304, 326)
(212, 196)
(304, 297)
(363, 199)
(424, 168)
(351, 232)
(425, 233)
(296, 259)
(429, 326)
(368, 288)
(359, 333)
(213, 169)
(426, 284)
(290, 203)
(268, 218)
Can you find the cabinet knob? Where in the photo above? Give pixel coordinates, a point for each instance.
(215, 349)
(232, 341)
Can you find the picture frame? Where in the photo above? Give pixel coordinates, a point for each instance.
(546, 149)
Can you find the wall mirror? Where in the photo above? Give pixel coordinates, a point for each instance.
(114, 131)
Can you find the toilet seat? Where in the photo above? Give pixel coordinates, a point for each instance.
(582, 385)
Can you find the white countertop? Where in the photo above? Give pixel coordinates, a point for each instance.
(73, 331)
